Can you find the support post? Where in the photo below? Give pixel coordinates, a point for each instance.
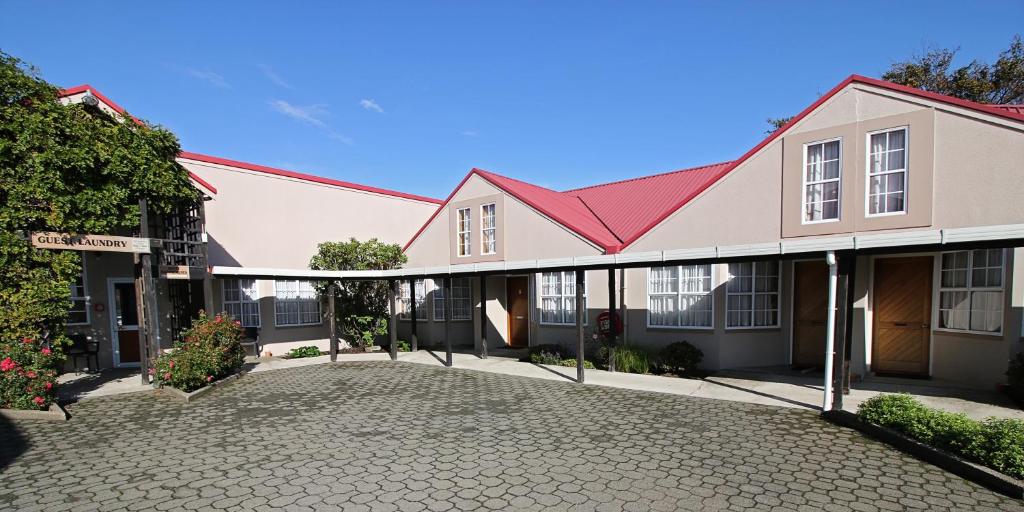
(844, 327)
(830, 333)
(448, 322)
(332, 290)
(580, 311)
(483, 317)
(412, 309)
(612, 315)
(145, 295)
(393, 320)
(208, 275)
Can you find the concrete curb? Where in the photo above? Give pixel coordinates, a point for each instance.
(189, 397)
(54, 413)
(983, 476)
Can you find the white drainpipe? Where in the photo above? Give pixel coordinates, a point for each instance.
(830, 335)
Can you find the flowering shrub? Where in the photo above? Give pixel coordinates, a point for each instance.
(208, 350)
(28, 374)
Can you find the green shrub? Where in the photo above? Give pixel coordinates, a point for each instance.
(404, 346)
(680, 357)
(208, 350)
(28, 374)
(996, 443)
(630, 359)
(548, 354)
(571, 361)
(300, 352)
(1015, 378)
(363, 330)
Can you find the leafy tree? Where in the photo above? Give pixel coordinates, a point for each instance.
(68, 168)
(776, 123)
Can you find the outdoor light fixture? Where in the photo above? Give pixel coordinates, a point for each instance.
(90, 100)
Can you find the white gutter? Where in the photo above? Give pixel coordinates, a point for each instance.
(830, 325)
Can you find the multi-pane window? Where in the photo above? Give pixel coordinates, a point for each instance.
(488, 232)
(462, 299)
(78, 314)
(887, 172)
(822, 168)
(558, 298)
(971, 291)
(295, 303)
(680, 296)
(241, 300)
(405, 301)
(463, 225)
(438, 292)
(753, 294)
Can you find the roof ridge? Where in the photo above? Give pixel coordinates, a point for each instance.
(524, 182)
(599, 219)
(638, 178)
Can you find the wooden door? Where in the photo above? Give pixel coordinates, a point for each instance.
(810, 313)
(126, 322)
(902, 310)
(518, 295)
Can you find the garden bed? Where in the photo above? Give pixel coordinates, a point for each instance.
(190, 396)
(53, 413)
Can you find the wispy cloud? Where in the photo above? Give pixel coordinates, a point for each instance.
(274, 77)
(371, 105)
(313, 115)
(469, 133)
(208, 76)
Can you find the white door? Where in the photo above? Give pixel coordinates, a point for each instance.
(124, 321)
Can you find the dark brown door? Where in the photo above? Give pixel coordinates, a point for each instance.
(902, 308)
(518, 290)
(126, 320)
(810, 313)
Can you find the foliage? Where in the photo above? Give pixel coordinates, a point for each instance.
(1015, 378)
(680, 357)
(404, 346)
(67, 168)
(571, 362)
(776, 123)
(631, 359)
(300, 352)
(548, 354)
(28, 374)
(996, 443)
(359, 298)
(363, 330)
(999, 82)
(209, 350)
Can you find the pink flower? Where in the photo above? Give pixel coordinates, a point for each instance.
(31, 374)
(7, 365)
(171, 364)
(39, 401)
(26, 340)
(167, 376)
(46, 351)
(48, 386)
(209, 378)
(152, 371)
(237, 323)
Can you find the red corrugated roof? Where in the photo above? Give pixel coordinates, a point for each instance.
(1013, 109)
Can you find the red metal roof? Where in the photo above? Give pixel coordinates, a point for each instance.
(1013, 109)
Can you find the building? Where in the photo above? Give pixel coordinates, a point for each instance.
(887, 175)
(252, 216)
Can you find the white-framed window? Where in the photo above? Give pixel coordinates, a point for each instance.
(558, 298)
(752, 295)
(462, 299)
(971, 291)
(887, 172)
(463, 225)
(242, 301)
(78, 313)
(822, 175)
(488, 231)
(680, 296)
(438, 291)
(296, 303)
(405, 302)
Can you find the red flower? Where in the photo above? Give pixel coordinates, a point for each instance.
(48, 386)
(31, 374)
(26, 340)
(8, 364)
(46, 351)
(39, 401)
(167, 376)
(237, 323)
(209, 378)
(171, 364)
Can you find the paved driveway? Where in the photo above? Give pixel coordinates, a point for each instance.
(387, 436)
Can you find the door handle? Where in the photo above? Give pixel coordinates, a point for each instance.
(519, 317)
(900, 324)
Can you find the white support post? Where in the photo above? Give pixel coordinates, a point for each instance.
(830, 334)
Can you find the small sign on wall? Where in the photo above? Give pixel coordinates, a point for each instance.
(105, 243)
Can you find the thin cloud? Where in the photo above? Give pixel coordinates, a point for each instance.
(274, 77)
(371, 105)
(469, 133)
(312, 115)
(209, 77)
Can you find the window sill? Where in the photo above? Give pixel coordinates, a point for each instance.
(289, 326)
(548, 324)
(981, 335)
(814, 222)
(767, 328)
(679, 328)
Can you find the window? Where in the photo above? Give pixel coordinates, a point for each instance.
(406, 306)
(558, 298)
(887, 172)
(971, 291)
(680, 296)
(78, 314)
(241, 300)
(463, 231)
(752, 295)
(488, 232)
(462, 299)
(822, 170)
(438, 300)
(296, 303)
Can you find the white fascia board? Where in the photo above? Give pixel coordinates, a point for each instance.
(983, 233)
(897, 239)
(462, 268)
(490, 266)
(521, 265)
(731, 251)
(701, 253)
(597, 259)
(640, 257)
(836, 243)
(554, 262)
(441, 270)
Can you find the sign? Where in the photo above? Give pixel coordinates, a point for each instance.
(605, 322)
(107, 243)
(176, 272)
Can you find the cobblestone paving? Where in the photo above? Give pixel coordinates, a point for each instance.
(385, 436)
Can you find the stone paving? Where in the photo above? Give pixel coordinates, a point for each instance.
(400, 436)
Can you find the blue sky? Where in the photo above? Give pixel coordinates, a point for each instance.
(412, 95)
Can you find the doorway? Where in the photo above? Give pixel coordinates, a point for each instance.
(124, 321)
(810, 313)
(901, 337)
(517, 289)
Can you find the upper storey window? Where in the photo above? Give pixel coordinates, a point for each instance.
(463, 227)
(887, 172)
(488, 232)
(822, 172)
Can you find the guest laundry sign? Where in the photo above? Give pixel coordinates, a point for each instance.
(49, 240)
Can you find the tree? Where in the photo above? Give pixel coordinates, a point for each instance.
(776, 124)
(68, 168)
